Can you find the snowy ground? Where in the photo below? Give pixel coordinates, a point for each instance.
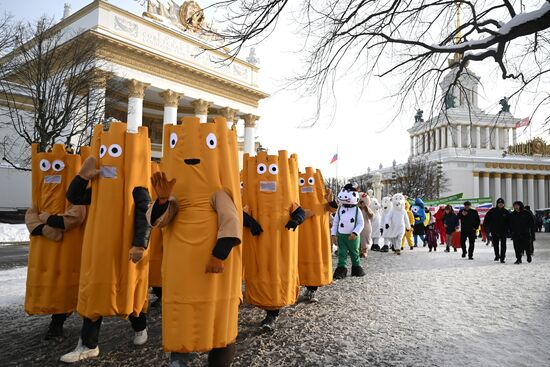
(417, 309)
(12, 233)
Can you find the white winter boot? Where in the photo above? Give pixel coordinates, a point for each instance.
(80, 353)
(140, 337)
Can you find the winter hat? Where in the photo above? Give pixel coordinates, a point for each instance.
(500, 201)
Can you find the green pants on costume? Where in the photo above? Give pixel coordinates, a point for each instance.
(346, 245)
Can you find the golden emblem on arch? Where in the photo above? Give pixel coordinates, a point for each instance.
(191, 15)
(537, 146)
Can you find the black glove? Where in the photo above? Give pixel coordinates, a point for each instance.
(255, 227)
(292, 224)
(387, 226)
(381, 231)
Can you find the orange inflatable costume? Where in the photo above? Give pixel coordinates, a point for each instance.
(270, 196)
(315, 248)
(200, 212)
(113, 276)
(56, 238)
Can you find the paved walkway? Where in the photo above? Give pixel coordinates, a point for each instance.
(417, 309)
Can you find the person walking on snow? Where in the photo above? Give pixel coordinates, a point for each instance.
(496, 223)
(520, 223)
(469, 222)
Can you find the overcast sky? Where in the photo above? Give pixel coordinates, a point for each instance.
(360, 124)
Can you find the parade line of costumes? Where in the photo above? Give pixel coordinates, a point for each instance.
(314, 248)
(199, 210)
(348, 224)
(270, 197)
(56, 238)
(113, 276)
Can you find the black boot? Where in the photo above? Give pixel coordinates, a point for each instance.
(375, 247)
(357, 271)
(55, 329)
(340, 273)
(221, 357)
(270, 320)
(385, 248)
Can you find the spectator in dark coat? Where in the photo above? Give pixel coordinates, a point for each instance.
(469, 223)
(450, 221)
(496, 223)
(520, 223)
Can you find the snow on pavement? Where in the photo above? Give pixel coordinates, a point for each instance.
(13, 233)
(12, 286)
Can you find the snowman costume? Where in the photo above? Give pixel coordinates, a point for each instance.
(385, 211)
(375, 223)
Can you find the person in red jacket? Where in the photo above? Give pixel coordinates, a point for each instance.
(439, 225)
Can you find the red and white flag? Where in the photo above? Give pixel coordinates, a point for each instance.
(524, 122)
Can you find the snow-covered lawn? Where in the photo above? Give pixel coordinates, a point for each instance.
(12, 284)
(13, 233)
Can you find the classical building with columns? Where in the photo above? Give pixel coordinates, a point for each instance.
(477, 151)
(161, 66)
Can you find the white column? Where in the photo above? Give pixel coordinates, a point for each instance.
(201, 109)
(459, 136)
(506, 137)
(497, 138)
(478, 137)
(485, 176)
(514, 136)
(476, 184)
(498, 194)
(171, 100)
(519, 183)
(488, 137)
(468, 136)
(531, 191)
(434, 140)
(412, 146)
(542, 193)
(229, 114)
(508, 193)
(249, 133)
(136, 92)
(449, 137)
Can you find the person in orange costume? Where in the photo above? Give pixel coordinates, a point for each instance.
(271, 197)
(315, 247)
(155, 253)
(56, 238)
(199, 209)
(408, 236)
(113, 279)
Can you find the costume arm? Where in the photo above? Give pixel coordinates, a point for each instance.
(142, 229)
(73, 217)
(407, 221)
(78, 192)
(249, 222)
(360, 224)
(37, 228)
(229, 226)
(335, 223)
(160, 215)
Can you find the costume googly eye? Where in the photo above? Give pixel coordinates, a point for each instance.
(115, 150)
(242, 185)
(173, 140)
(58, 165)
(273, 169)
(211, 141)
(302, 181)
(45, 165)
(311, 180)
(102, 151)
(261, 169)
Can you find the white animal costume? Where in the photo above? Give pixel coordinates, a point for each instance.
(396, 223)
(386, 207)
(375, 224)
(365, 236)
(347, 226)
